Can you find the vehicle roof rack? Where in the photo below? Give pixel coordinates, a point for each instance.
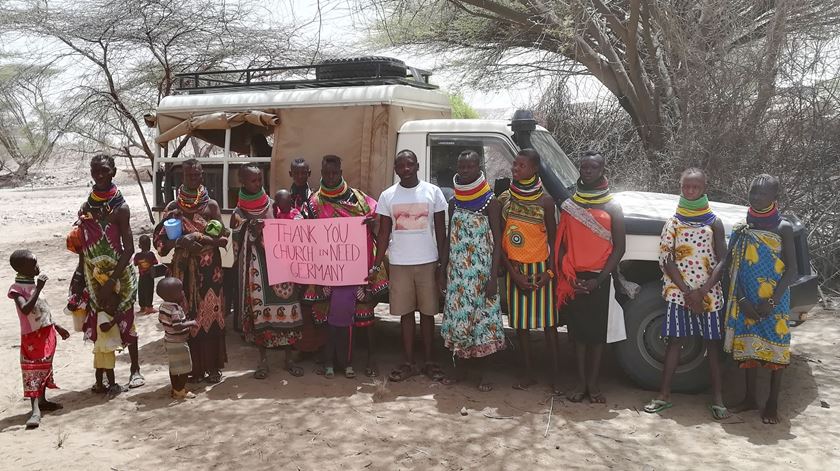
(328, 73)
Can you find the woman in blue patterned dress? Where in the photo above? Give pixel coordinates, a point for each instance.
(763, 265)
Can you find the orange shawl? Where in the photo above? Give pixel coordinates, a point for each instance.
(585, 239)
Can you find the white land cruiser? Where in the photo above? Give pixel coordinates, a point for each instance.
(364, 110)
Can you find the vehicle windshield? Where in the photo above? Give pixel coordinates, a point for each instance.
(554, 157)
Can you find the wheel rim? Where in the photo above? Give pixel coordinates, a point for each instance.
(692, 353)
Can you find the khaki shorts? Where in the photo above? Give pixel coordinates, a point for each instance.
(413, 288)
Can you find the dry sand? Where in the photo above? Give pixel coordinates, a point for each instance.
(315, 423)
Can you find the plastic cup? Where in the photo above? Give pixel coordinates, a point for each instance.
(172, 228)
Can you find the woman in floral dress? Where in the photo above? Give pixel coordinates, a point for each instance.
(472, 318)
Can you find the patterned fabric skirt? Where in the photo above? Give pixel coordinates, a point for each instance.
(472, 324)
(681, 322)
(531, 309)
(36, 355)
(178, 354)
(762, 343)
(272, 314)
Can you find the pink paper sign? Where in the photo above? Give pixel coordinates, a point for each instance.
(326, 252)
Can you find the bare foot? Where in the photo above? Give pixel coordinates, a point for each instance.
(743, 406)
(577, 395)
(597, 397)
(770, 414)
(525, 384)
(34, 421)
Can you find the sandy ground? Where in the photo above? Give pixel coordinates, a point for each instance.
(315, 423)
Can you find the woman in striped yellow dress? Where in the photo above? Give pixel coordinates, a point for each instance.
(527, 241)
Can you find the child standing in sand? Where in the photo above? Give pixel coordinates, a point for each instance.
(145, 261)
(37, 334)
(105, 347)
(176, 330)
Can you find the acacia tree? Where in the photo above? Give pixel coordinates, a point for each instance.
(30, 121)
(125, 53)
(647, 53)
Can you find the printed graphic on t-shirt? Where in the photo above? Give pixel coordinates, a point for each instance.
(411, 216)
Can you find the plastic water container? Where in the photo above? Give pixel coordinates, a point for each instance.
(172, 228)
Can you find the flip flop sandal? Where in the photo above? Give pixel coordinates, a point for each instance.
(577, 396)
(329, 372)
(656, 406)
(349, 373)
(433, 372)
(262, 371)
(403, 372)
(719, 412)
(485, 387)
(214, 378)
(371, 372)
(114, 390)
(449, 381)
(524, 385)
(182, 394)
(136, 380)
(295, 370)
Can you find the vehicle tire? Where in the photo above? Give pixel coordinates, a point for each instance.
(642, 355)
(360, 67)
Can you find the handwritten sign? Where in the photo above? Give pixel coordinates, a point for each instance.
(326, 252)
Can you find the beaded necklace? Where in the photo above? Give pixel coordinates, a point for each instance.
(24, 279)
(255, 204)
(597, 193)
(192, 201)
(530, 189)
(695, 212)
(105, 201)
(341, 192)
(765, 219)
(473, 196)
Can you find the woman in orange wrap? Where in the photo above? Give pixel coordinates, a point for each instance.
(590, 243)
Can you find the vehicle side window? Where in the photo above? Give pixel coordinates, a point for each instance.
(496, 155)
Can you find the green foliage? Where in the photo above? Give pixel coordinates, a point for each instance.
(460, 108)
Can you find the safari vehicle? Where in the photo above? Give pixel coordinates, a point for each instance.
(365, 110)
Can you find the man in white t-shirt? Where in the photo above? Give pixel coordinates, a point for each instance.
(413, 232)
